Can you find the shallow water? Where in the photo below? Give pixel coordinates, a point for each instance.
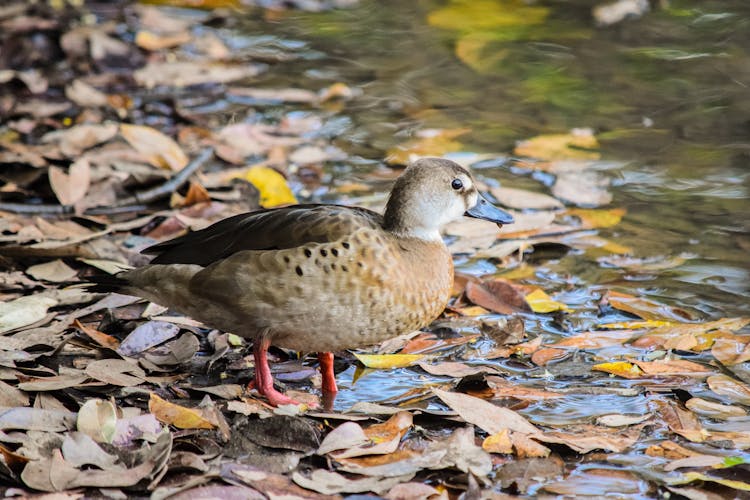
(667, 95)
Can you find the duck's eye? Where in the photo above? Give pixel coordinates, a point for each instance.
(457, 184)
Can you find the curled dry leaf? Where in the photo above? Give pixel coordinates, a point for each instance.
(158, 149)
(383, 439)
(24, 311)
(179, 416)
(98, 420)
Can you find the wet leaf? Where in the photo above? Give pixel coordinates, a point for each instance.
(689, 477)
(731, 351)
(579, 144)
(585, 189)
(598, 218)
(158, 149)
(681, 421)
(97, 419)
(673, 367)
(488, 417)
(386, 361)
(714, 410)
(185, 73)
(428, 142)
(542, 303)
(521, 199)
(274, 191)
(497, 295)
(72, 186)
(619, 368)
(598, 483)
(730, 388)
(179, 416)
(455, 369)
(646, 308)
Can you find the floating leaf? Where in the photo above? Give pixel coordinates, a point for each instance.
(542, 303)
(385, 361)
(179, 416)
(579, 144)
(429, 142)
(620, 368)
(598, 218)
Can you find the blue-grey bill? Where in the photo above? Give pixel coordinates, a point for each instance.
(487, 211)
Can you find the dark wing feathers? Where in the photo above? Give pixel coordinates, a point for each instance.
(276, 228)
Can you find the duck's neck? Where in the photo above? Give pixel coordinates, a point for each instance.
(404, 220)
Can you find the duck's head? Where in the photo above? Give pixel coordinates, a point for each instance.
(432, 192)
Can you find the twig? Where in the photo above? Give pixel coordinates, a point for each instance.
(133, 203)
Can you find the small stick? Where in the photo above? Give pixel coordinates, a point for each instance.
(130, 204)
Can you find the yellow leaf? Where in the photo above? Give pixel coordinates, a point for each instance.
(689, 477)
(487, 15)
(635, 325)
(499, 442)
(620, 368)
(274, 190)
(388, 360)
(598, 218)
(179, 416)
(579, 144)
(429, 142)
(540, 302)
(158, 149)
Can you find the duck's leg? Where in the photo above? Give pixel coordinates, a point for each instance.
(326, 370)
(263, 381)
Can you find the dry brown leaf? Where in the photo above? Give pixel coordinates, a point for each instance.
(498, 443)
(55, 271)
(714, 410)
(673, 367)
(382, 438)
(100, 338)
(158, 149)
(71, 187)
(731, 350)
(525, 447)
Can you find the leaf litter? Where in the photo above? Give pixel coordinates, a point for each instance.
(102, 394)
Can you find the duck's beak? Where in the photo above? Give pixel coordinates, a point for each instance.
(487, 211)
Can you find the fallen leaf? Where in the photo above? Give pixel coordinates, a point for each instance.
(75, 140)
(115, 372)
(158, 149)
(598, 218)
(673, 367)
(542, 303)
(586, 189)
(681, 421)
(97, 419)
(331, 483)
(147, 335)
(498, 443)
(179, 416)
(578, 144)
(55, 271)
(154, 41)
(620, 368)
(80, 449)
(619, 420)
(100, 338)
(382, 439)
(36, 419)
(646, 308)
(24, 311)
(730, 388)
(497, 295)
(274, 191)
(598, 483)
(520, 199)
(714, 410)
(71, 187)
(428, 142)
(689, 477)
(731, 351)
(488, 417)
(346, 435)
(455, 369)
(386, 361)
(186, 73)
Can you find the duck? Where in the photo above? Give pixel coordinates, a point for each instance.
(316, 277)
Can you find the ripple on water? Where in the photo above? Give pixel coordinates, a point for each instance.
(583, 408)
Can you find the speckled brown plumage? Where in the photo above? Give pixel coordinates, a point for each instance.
(320, 277)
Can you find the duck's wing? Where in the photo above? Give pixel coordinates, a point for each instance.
(276, 228)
